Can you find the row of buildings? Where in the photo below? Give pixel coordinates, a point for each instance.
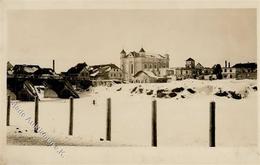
(24, 82)
(142, 67)
(27, 81)
(198, 71)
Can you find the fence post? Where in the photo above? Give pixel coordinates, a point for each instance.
(154, 124)
(36, 114)
(212, 124)
(71, 117)
(8, 111)
(108, 138)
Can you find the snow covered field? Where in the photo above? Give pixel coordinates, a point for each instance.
(183, 120)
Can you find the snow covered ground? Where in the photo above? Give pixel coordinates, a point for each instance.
(183, 120)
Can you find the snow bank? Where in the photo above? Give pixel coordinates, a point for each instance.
(236, 89)
(183, 120)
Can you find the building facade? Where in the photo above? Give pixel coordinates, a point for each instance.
(192, 71)
(133, 62)
(245, 70)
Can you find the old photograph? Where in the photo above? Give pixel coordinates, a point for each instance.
(131, 78)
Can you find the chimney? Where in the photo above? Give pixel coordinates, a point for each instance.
(53, 65)
(225, 63)
(229, 64)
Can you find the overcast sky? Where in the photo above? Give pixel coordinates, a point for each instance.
(97, 36)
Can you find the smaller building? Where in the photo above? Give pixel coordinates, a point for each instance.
(78, 76)
(106, 72)
(148, 77)
(190, 63)
(246, 70)
(228, 72)
(105, 75)
(192, 71)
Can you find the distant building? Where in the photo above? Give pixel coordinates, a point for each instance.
(105, 74)
(245, 70)
(190, 63)
(192, 71)
(240, 71)
(78, 76)
(133, 62)
(147, 77)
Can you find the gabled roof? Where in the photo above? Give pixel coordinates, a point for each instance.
(245, 65)
(123, 52)
(25, 69)
(190, 59)
(105, 65)
(77, 69)
(101, 70)
(135, 54)
(198, 66)
(142, 50)
(41, 71)
(148, 73)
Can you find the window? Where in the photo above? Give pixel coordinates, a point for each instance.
(225, 70)
(154, 66)
(145, 66)
(132, 69)
(230, 70)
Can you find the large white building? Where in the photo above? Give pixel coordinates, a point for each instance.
(133, 62)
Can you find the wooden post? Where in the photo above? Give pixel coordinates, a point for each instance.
(108, 138)
(154, 124)
(36, 114)
(8, 111)
(71, 117)
(53, 65)
(212, 125)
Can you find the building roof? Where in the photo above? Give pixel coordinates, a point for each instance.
(142, 50)
(148, 73)
(245, 65)
(25, 69)
(134, 53)
(190, 59)
(9, 66)
(41, 71)
(123, 52)
(105, 65)
(198, 66)
(77, 69)
(101, 70)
